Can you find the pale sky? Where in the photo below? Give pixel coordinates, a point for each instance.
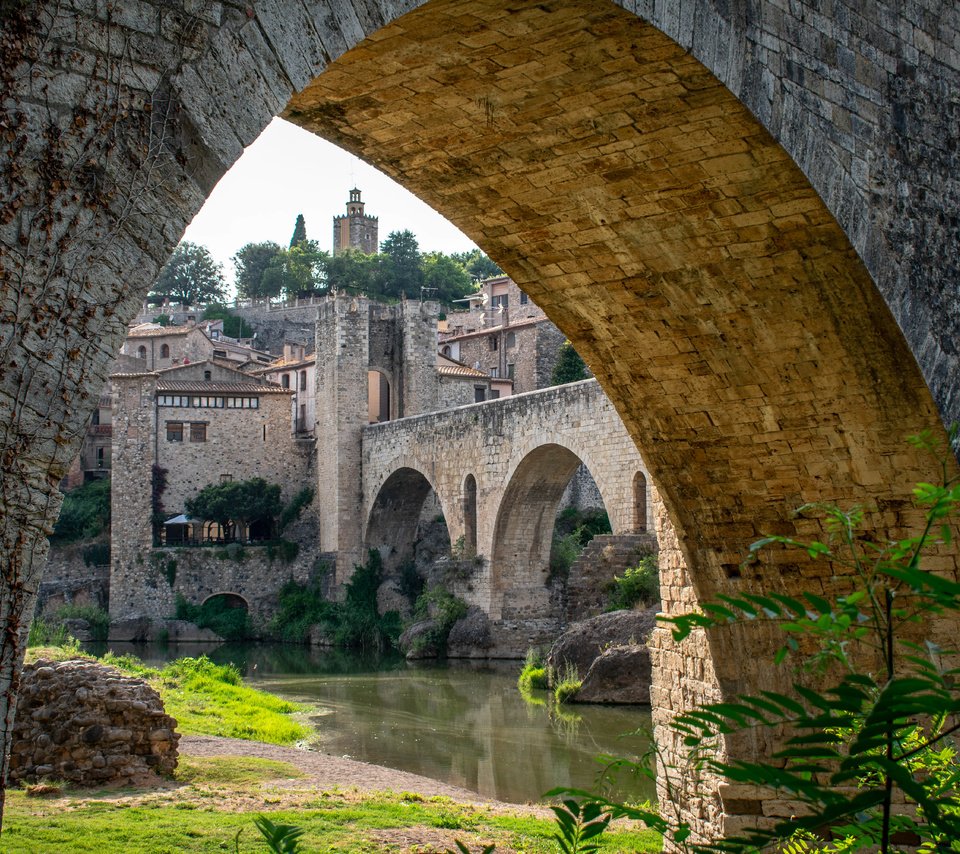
(289, 171)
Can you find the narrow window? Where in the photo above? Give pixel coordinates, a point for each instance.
(198, 432)
(285, 380)
(524, 299)
(264, 432)
(479, 394)
(142, 353)
(303, 380)
(165, 351)
(510, 371)
(495, 372)
(207, 375)
(511, 340)
(174, 431)
(494, 342)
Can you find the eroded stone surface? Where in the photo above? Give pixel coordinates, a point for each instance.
(84, 722)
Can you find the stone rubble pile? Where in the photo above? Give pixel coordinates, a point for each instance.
(88, 724)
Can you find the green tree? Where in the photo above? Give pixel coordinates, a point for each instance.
(298, 271)
(401, 271)
(477, 265)
(85, 512)
(570, 367)
(445, 279)
(353, 271)
(251, 262)
(190, 277)
(299, 232)
(237, 502)
(233, 325)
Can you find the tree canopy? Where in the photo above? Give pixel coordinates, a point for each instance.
(299, 232)
(402, 270)
(237, 501)
(250, 263)
(570, 367)
(190, 277)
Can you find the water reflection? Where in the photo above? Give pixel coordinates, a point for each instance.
(464, 722)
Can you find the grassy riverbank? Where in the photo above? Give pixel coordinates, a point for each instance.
(206, 698)
(213, 799)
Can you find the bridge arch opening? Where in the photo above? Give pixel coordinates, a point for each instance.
(227, 601)
(657, 222)
(527, 566)
(405, 513)
(470, 514)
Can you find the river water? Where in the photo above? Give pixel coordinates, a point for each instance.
(464, 723)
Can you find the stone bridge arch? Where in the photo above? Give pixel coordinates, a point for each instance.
(391, 523)
(729, 208)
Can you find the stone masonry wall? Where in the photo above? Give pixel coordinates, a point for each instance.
(491, 440)
(85, 723)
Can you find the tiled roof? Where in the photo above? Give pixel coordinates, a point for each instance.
(520, 324)
(461, 371)
(213, 386)
(153, 332)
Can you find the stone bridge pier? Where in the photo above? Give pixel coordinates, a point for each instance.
(742, 214)
(499, 470)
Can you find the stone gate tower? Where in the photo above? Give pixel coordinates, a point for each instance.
(374, 363)
(355, 229)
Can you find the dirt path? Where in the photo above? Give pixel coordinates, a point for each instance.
(325, 771)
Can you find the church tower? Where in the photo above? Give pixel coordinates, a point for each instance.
(355, 229)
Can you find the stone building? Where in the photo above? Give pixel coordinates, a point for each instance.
(166, 346)
(296, 370)
(504, 334)
(355, 229)
(200, 424)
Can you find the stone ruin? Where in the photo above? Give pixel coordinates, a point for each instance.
(86, 723)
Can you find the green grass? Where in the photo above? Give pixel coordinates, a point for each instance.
(206, 698)
(232, 770)
(333, 822)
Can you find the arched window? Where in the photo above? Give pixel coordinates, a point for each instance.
(303, 380)
(165, 351)
(285, 380)
(446, 350)
(142, 353)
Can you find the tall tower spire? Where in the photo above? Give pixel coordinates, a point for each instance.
(355, 229)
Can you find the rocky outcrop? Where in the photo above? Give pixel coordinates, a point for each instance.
(86, 723)
(584, 643)
(620, 674)
(419, 640)
(470, 636)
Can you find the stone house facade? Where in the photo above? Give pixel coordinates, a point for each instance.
(504, 334)
(162, 347)
(200, 424)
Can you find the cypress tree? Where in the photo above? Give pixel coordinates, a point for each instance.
(299, 231)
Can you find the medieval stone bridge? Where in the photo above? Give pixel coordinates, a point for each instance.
(499, 470)
(743, 213)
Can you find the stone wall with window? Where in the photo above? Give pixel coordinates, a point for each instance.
(199, 431)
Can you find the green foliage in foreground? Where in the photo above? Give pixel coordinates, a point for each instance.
(331, 821)
(209, 699)
(534, 674)
(878, 724)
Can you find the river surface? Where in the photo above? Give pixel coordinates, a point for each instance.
(464, 723)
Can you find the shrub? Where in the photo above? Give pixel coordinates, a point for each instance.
(96, 554)
(281, 549)
(637, 584)
(218, 616)
(85, 513)
(567, 685)
(97, 619)
(534, 673)
(444, 609)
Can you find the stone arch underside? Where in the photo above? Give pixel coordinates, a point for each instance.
(392, 524)
(520, 560)
(654, 218)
